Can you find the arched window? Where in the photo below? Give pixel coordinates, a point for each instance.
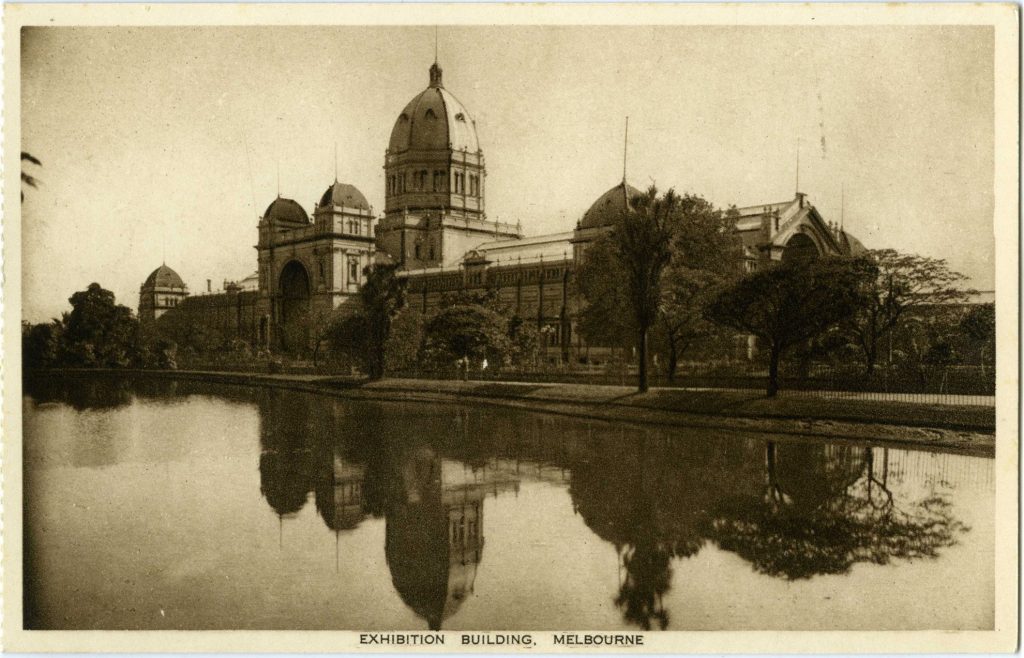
(417, 250)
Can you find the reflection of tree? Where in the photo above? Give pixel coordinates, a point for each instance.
(81, 393)
(648, 497)
(648, 575)
(821, 521)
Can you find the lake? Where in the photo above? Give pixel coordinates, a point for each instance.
(160, 504)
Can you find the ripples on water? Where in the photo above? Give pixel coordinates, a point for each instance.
(161, 504)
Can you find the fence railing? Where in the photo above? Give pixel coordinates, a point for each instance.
(968, 385)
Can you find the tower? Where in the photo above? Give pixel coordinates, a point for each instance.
(162, 291)
(435, 182)
(309, 268)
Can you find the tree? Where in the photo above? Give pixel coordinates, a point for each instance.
(191, 336)
(362, 336)
(98, 332)
(41, 344)
(466, 331)
(524, 341)
(979, 328)
(599, 279)
(707, 254)
(405, 340)
(790, 303)
(350, 337)
(904, 282)
(622, 272)
(27, 178)
(381, 298)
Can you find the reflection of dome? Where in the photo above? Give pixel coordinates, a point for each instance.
(609, 207)
(433, 539)
(432, 566)
(285, 210)
(344, 195)
(434, 120)
(164, 277)
(284, 481)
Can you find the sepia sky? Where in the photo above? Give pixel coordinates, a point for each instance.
(165, 143)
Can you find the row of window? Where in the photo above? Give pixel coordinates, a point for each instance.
(510, 278)
(423, 181)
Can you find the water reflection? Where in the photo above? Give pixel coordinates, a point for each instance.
(791, 510)
(824, 509)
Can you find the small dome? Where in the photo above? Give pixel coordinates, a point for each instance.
(609, 207)
(341, 194)
(851, 245)
(285, 210)
(164, 277)
(434, 120)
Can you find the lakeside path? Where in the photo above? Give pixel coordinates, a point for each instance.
(967, 429)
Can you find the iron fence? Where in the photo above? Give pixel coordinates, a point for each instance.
(926, 384)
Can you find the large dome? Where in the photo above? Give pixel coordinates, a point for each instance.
(163, 277)
(609, 207)
(285, 210)
(434, 120)
(342, 194)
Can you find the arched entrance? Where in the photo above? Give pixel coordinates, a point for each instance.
(295, 308)
(800, 248)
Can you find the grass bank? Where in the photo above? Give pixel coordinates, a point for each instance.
(965, 429)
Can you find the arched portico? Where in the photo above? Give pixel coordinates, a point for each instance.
(800, 247)
(294, 288)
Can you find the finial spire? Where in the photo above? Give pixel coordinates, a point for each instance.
(625, 151)
(842, 207)
(435, 68)
(798, 165)
(278, 177)
(335, 161)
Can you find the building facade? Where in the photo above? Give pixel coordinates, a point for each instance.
(435, 227)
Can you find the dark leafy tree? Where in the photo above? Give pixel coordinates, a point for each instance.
(405, 341)
(599, 279)
(979, 328)
(466, 332)
(382, 296)
(41, 344)
(707, 254)
(524, 341)
(622, 272)
(349, 337)
(904, 282)
(363, 336)
(98, 332)
(192, 338)
(790, 303)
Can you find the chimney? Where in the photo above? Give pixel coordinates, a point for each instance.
(209, 285)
